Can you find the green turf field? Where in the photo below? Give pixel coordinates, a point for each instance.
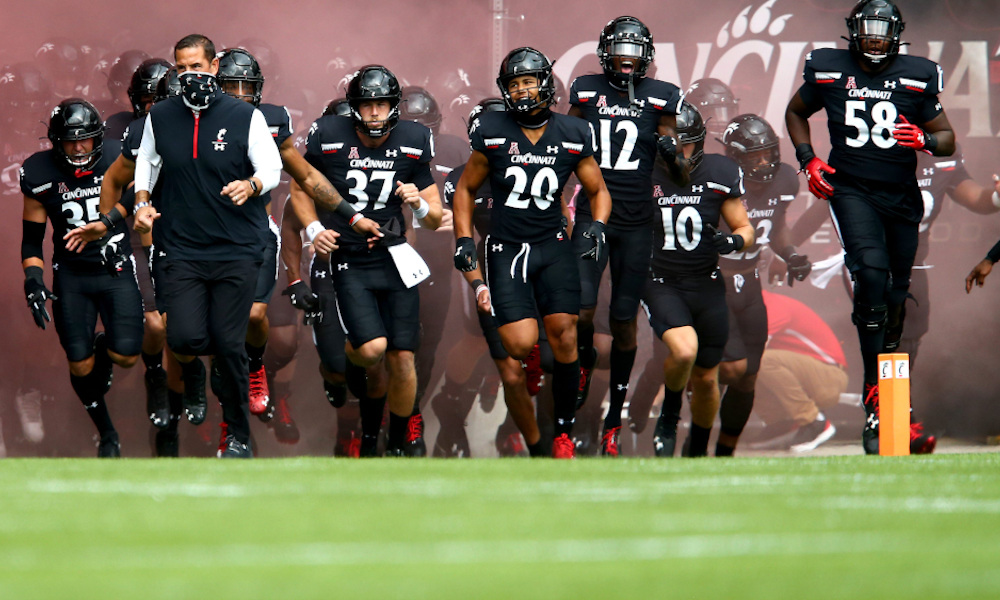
(841, 527)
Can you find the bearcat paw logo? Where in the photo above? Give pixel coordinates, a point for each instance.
(757, 24)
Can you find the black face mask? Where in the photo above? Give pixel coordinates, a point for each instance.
(532, 121)
(198, 89)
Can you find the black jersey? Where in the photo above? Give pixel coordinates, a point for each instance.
(863, 110)
(132, 139)
(279, 123)
(484, 201)
(680, 245)
(366, 177)
(626, 141)
(71, 201)
(766, 205)
(937, 176)
(530, 177)
(115, 125)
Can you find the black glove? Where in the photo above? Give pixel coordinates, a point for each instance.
(36, 294)
(305, 300)
(465, 255)
(799, 267)
(666, 145)
(724, 243)
(113, 253)
(594, 233)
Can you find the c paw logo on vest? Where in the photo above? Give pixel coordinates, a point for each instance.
(220, 144)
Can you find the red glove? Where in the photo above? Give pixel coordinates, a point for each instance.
(819, 187)
(909, 135)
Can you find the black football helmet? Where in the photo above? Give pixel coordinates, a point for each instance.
(691, 130)
(239, 66)
(266, 57)
(879, 22)
(374, 82)
(527, 61)
(628, 39)
(420, 106)
(168, 85)
(142, 89)
(120, 73)
(485, 105)
(752, 143)
(339, 107)
(63, 63)
(25, 97)
(716, 103)
(76, 119)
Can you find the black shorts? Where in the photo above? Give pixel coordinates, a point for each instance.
(328, 335)
(873, 237)
(268, 276)
(157, 259)
(695, 301)
(374, 302)
(85, 295)
(747, 320)
(629, 253)
(528, 280)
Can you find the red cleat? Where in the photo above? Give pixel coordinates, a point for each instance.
(920, 442)
(609, 443)
(222, 439)
(533, 370)
(259, 394)
(563, 447)
(285, 429)
(415, 445)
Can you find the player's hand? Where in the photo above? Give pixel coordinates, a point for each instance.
(36, 294)
(113, 254)
(818, 185)
(326, 241)
(408, 193)
(78, 238)
(465, 255)
(370, 229)
(595, 233)
(144, 218)
(666, 145)
(978, 274)
(447, 220)
(777, 271)
(909, 135)
(484, 302)
(799, 268)
(239, 191)
(723, 243)
(305, 300)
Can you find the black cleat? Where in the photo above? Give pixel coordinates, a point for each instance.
(109, 446)
(664, 440)
(869, 435)
(167, 443)
(396, 452)
(414, 446)
(195, 401)
(157, 404)
(236, 449)
(369, 446)
(102, 361)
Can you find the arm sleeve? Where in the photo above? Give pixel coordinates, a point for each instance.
(147, 163)
(262, 153)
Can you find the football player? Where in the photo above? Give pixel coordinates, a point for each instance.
(771, 186)
(882, 107)
(685, 295)
(716, 102)
(528, 153)
(629, 112)
(63, 185)
(381, 163)
(121, 77)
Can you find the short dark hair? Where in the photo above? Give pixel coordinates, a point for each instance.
(196, 40)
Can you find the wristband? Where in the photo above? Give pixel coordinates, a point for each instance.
(111, 218)
(142, 204)
(930, 142)
(345, 210)
(804, 153)
(421, 211)
(290, 284)
(993, 255)
(738, 242)
(996, 199)
(253, 186)
(314, 229)
(480, 286)
(357, 217)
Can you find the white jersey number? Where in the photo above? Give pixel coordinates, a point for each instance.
(686, 231)
(884, 115)
(361, 180)
(545, 177)
(625, 161)
(74, 212)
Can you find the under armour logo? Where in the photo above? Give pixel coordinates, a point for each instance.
(220, 144)
(497, 248)
(622, 387)
(342, 266)
(738, 282)
(890, 84)
(320, 274)
(552, 149)
(513, 148)
(929, 171)
(697, 189)
(391, 153)
(772, 201)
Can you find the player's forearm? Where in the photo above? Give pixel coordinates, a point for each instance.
(291, 253)
(945, 143)
(302, 205)
(798, 127)
(435, 212)
(747, 233)
(116, 178)
(809, 223)
(319, 188)
(462, 206)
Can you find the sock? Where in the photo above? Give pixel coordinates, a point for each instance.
(153, 361)
(256, 355)
(621, 371)
(416, 406)
(585, 345)
(397, 429)
(697, 443)
(89, 390)
(536, 449)
(357, 380)
(371, 415)
(735, 411)
(565, 385)
(670, 411)
(176, 400)
(193, 373)
(723, 450)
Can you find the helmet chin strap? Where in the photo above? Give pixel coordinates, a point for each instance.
(631, 88)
